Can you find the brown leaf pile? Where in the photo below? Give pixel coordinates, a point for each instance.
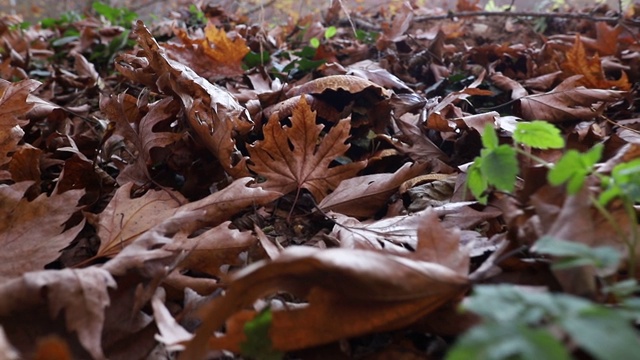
(153, 211)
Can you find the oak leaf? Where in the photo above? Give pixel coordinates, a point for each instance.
(290, 158)
(13, 106)
(32, 232)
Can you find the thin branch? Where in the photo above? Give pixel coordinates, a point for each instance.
(452, 15)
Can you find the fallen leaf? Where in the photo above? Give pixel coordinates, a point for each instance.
(363, 196)
(127, 218)
(567, 102)
(80, 295)
(13, 105)
(212, 112)
(32, 233)
(578, 63)
(350, 291)
(291, 159)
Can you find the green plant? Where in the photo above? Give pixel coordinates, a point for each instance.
(120, 16)
(497, 167)
(521, 324)
(258, 344)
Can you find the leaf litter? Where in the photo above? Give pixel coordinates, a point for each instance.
(211, 186)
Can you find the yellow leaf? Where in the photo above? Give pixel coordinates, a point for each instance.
(219, 47)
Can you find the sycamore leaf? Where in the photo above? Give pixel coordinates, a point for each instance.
(350, 291)
(567, 102)
(213, 56)
(32, 232)
(291, 159)
(578, 63)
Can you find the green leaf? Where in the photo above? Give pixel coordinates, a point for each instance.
(500, 167)
(605, 258)
(574, 167)
(314, 42)
(258, 344)
(538, 134)
(603, 333)
(330, 32)
(627, 177)
(507, 341)
(489, 137)
(476, 182)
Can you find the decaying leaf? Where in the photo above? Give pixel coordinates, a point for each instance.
(291, 159)
(32, 233)
(567, 102)
(364, 195)
(13, 105)
(350, 291)
(212, 112)
(127, 218)
(80, 295)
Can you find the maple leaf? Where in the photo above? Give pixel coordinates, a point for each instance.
(291, 159)
(214, 56)
(578, 63)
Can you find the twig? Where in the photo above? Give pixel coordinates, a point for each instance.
(259, 7)
(452, 15)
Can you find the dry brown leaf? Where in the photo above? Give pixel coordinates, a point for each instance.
(32, 233)
(566, 102)
(80, 295)
(349, 83)
(13, 106)
(351, 292)
(207, 252)
(396, 234)
(508, 84)
(290, 158)
(578, 63)
(170, 331)
(363, 196)
(127, 218)
(212, 112)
